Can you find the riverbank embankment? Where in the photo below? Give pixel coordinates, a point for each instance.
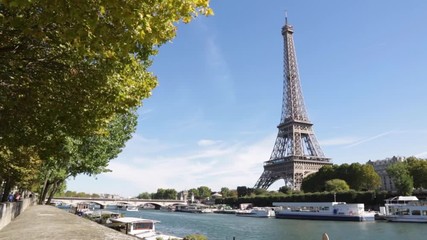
(11, 210)
(48, 222)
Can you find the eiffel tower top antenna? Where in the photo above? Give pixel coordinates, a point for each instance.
(286, 17)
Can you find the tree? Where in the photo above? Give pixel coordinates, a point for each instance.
(260, 191)
(170, 194)
(144, 195)
(418, 170)
(18, 168)
(354, 176)
(285, 189)
(72, 65)
(309, 183)
(242, 191)
(225, 192)
(336, 185)
(370, 179)
(195, 237)
(357, 176)
(95, 195)
(194, 192)
(403, 181)
(68, 69)
(165, 194)
(204, 192)
(315, 181)
(233, 193)
(159, 194)
(88, 155)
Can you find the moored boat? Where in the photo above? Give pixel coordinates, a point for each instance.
(339, 211)
(167, 208)
(263, 212)
(139, 227)
(195, 208)
(405, 209)
(80, 208)
(102, 216)
(132, 208)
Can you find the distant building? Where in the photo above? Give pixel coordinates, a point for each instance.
(380, 167)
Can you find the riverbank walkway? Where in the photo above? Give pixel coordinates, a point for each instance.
(47, 222)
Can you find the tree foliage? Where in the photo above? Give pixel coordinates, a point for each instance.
(195, 237)
(19, 167)
(144, 195)
(70, 68)
(260, 191)
(285, 189)
(165, 194)
(88, 155)
(357, 176)
(204, 192)
(315, 182)
(418, 170)
(225, 192)
(401, 177)
(79, 194)
(194, 192)
(243, 191)
(336, 185)
(370, 180)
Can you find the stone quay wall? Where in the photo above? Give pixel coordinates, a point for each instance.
(10, 210)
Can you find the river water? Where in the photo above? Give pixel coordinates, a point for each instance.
(229, 227)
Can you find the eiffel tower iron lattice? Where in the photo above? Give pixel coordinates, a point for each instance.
(296, 152)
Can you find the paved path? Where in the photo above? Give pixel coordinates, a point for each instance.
(47, 222)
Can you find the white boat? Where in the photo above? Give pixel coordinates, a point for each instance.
(339, 211)
(101, 216)
(256, 212)
(167, 208)
(132, 208)
(195, 208)
(140, 228)
(405, 209)
(80, 208)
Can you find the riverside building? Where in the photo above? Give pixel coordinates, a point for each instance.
(380, 167)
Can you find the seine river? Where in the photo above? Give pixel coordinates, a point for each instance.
(229, 227)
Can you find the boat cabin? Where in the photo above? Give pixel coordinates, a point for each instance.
(405, 209)
(80, 208)
(133, 226)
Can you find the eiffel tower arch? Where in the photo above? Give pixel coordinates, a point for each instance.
(296, 152)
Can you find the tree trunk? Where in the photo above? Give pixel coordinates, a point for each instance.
(53, 190)
(44, 192)
(46, 186)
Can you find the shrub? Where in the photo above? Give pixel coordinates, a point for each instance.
(195, 237)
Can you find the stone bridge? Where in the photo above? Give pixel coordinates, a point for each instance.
(103, 202)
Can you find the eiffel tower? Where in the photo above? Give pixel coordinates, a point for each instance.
(296, 152)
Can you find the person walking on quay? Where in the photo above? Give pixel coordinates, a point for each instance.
(10, 197)
(17, 196)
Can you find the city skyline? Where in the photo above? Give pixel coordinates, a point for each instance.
(212, 121)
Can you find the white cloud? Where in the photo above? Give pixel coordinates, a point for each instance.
(338, 141)
(207, 142)
(215, 166)
(365, 140)
(219, 71)
(139, 145)
(420, 155)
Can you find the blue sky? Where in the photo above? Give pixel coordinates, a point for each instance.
(212, 121)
